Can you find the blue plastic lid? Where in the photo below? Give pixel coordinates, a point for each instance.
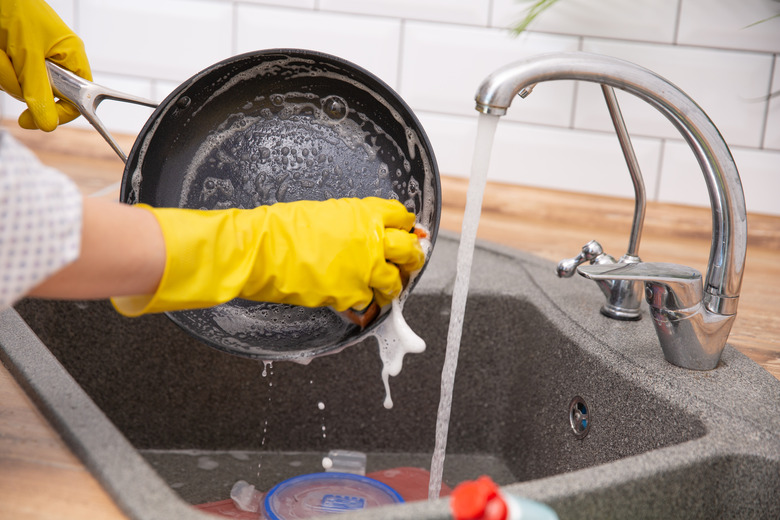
(326, 493)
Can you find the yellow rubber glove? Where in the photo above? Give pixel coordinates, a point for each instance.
(30, 33)
(340, 253)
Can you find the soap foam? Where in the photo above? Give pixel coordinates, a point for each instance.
(396, 338)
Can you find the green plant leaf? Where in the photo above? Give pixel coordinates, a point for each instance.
(534, 10)
(762, 21)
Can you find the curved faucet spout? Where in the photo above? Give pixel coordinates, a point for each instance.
(729, 217)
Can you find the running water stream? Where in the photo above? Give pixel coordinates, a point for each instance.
(486, 129)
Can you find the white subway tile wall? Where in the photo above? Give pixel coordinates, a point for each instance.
(734, 25)
(156, 39)
(470, 12)
(444, 64)
(634, 20)
(435, 53)
(369, 41)
(728, 85)
(572, 160)
(65, 9)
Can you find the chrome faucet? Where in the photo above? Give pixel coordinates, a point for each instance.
(692, 319)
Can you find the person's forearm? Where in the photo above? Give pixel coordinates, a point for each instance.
(122, 254)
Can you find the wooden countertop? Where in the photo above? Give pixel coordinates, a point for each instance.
(40, 478)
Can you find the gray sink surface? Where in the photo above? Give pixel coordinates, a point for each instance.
(164, 421)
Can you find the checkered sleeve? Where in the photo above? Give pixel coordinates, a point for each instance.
(40, 220)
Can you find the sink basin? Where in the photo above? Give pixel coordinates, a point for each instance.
(164, 421)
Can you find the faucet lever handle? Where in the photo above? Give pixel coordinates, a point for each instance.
(668, 286)
(592, 251)
(691, 336)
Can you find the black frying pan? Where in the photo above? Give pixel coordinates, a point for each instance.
(278, 126)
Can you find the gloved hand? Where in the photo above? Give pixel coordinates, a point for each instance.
(339, 253)
(30, 33)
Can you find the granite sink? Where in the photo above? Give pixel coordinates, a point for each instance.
(552, 400)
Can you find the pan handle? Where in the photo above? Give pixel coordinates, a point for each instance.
(86, 96)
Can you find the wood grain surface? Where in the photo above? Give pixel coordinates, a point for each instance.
(41, 479)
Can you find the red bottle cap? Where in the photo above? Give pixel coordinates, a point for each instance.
(478, 500)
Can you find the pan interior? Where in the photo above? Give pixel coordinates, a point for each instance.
(280, 127)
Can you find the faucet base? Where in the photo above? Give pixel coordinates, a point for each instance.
(693, 342)
(621, 313)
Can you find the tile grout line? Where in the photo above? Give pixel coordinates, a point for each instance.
(400, 64)
(659, 172)
(678, 17)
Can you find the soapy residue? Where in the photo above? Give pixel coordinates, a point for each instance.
(394, 336)
(207, 463)
(322, 126)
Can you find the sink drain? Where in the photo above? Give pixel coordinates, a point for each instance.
(579, 417)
